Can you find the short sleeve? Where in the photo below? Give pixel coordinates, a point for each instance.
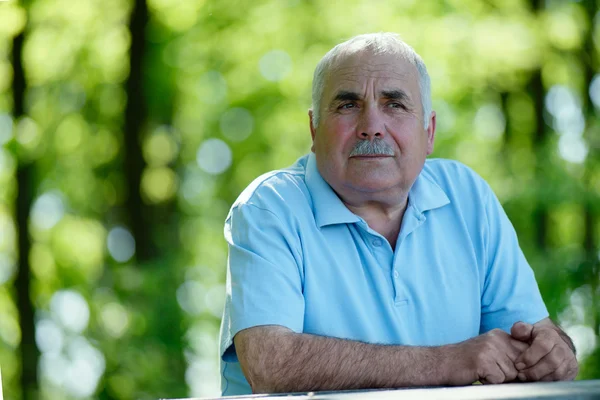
(510, 291)
(264, 274)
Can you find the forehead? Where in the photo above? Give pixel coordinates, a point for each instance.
(353, 71)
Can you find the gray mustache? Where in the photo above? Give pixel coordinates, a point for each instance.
(372, 148)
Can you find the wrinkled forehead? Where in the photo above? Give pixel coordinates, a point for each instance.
(353, 67)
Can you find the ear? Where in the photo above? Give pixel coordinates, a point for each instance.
(313, 131)
(431, 133)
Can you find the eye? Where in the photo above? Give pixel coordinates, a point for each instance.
(347, 105)
(396, 105)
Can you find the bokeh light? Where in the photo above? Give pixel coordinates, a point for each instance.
(214, 156)
(7, 268)
(86, 366)
(159, 184)
(48, 210)
(190, 296)
(594, 91)
(121, 244)
(236, 124)
(275, 65)
(71, 309)
(115, 319)
(489, 122)
(6, 128)
(160, 147)
(49, 337)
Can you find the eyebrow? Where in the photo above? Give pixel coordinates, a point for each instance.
(346, 95)
(394, 94)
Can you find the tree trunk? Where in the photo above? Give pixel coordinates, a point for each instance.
(537, 93)
(29, 350)
(135, 122)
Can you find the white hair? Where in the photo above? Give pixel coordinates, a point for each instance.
(377, 44)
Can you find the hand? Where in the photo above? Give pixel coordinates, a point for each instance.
(549, 357)
(488, 358)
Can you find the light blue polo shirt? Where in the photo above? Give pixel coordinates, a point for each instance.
(299, 258)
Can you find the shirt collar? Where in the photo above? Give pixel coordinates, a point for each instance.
(424, 195)
(327, 206)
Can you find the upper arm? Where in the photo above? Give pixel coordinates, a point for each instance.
(264, 282)
(510, 292)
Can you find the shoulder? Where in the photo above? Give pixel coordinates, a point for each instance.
(455, 178)
(276, 189)
(467, 191)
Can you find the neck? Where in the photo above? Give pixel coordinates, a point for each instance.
(383, 218)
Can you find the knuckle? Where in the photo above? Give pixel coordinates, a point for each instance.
(564, 349)
(530, 374)
(573, 371)
(555, 358)
(494, 378)
(549, 378)
(511, 375)
(481, 359)
(495, 332)
(499, 332)
(546, 345)
(562, 373)
(561, 351)
(534, 375)
(528, 358)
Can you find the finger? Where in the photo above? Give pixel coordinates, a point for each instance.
(521, 331)
(540, 347)
(547, 365)
(493, 376)
(559, 374)
(574, 369)
(508, 368)
(567, 371)
(516, 348)
(572, 372)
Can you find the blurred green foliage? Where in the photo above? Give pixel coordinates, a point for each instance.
(226, 86)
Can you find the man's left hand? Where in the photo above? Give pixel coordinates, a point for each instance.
(550, 356)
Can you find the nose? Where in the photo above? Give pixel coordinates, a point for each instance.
(370, 125)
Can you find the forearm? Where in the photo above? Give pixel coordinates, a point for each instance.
(291, 362)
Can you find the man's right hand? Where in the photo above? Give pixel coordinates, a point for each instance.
(488, 358)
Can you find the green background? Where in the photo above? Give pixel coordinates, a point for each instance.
(128, 127)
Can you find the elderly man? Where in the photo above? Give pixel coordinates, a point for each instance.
(365, 266)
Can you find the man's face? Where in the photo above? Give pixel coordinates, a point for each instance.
(371, 98)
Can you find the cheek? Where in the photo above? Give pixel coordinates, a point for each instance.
(337, 135)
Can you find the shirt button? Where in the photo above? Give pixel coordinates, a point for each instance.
(377, 242)
(396, 274)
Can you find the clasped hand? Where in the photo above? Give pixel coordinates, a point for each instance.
(530, 353)
(549, 355)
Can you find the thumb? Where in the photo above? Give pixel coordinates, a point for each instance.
(522, 331)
